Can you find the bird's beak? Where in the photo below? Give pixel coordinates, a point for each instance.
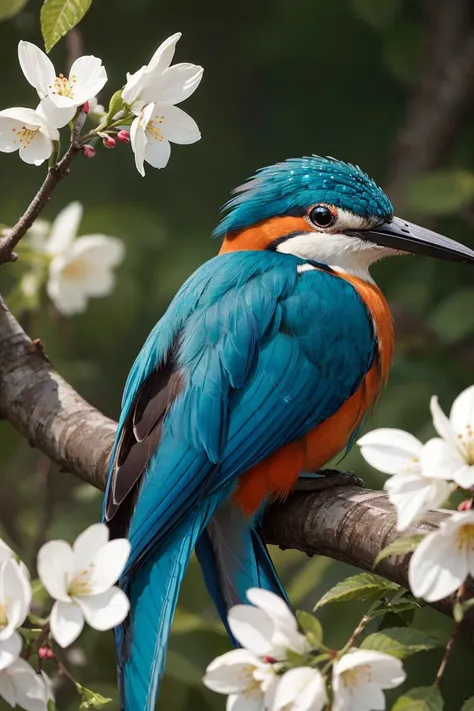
(407, 237)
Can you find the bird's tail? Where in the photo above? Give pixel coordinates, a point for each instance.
(234, 558)
(153, 590)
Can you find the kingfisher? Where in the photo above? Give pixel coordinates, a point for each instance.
(263, 368)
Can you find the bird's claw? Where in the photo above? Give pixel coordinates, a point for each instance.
(326, 479)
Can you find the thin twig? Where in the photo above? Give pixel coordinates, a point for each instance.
(54, 175)
(454, 634)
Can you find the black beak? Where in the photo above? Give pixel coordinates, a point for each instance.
(407, 237)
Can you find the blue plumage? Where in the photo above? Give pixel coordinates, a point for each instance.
(261, 353)
(300, 182)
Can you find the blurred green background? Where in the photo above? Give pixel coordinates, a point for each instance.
(281, 80)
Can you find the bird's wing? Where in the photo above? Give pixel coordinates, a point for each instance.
(260, 352)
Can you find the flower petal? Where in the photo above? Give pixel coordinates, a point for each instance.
(175, 84)
(157, 153)
(440, 459)
(10, 650)
(178, 126)
(252, 627)
(55, 115)
(464, 476)
(138, 141)
(413, 495)
(246, 702)
(90, 76)
(441, 423)
(67, 622)
(55, 564)
(391, 450)
(66, 296)
(274, 606)
(88, 544)
(37, 150)
(7, 690)
(106, 610)
(462, 411)
(163, 56)
(30, 118)
(64, 228)
(102, 251)
(437, 567)
(109, 562)
(36, 66)
(15, 595)
(229, 673)
(301, 689)
(31, 692)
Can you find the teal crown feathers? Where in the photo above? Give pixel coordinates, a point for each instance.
(296, 184)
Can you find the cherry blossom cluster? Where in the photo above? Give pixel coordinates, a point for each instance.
(423, 477)
(144, 112)
(81, 580)
(276, 668)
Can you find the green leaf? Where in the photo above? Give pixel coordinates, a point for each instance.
(89, 699)
(400, 642)
(10, 8)
(115, 105)
(423, 698)
(51, 706)
(364, 586)
(312, 628)
(452, 319)
(401, 546)
(468, 705)
(460, 609)
(397, 608)
(295, 659)
(60, 16)
(441, 192)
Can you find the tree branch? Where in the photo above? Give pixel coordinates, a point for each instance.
(54, 175)
(344, 523)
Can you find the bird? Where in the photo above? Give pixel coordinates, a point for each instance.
(264, 367)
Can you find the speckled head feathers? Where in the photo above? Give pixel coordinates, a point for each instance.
(299, 183)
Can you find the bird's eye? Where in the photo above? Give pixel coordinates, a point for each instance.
(321, 216)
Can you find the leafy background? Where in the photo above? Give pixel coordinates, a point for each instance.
(280, 80)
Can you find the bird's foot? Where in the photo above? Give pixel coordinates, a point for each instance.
(326, 479)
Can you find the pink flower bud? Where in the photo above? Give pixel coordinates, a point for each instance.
(88, 151)
(109, 142)
(465, 505)
(269, 660)
(46, 653)
(86, 107)
(123, 136)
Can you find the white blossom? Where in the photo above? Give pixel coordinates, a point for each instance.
(300, 689)
(413, 487)
(248, 681)
(28, 132)
(452, 456)
(359, 678)
(267, 627)
(443, 559)
(21, 686)
(158, 82)
(15, 599)
(80, 267)
(60, 96)
(81, 580)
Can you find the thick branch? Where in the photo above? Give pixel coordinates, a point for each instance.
(54, 175)
(347, 524)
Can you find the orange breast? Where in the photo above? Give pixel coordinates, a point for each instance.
(276, 475)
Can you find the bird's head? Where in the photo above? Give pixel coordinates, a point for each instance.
(326, 211)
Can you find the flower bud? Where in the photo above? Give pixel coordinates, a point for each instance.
(86, 107)
(46, 653)
(109, 142)
(123, 136)
(465, 505)
(88, 151)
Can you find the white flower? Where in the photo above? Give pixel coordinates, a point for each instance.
(410, 489)
(300, 689)
(154, 128)
(15, 599)
(267, 627)
(80, 267)
(444, 559)
(452, 457)
(21, 686)
(359, 677)
(29, 132)
(157, 82)
(249, 682)
(81, 580)
(60, 95)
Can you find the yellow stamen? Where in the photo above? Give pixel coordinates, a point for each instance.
(465, 537)
(64, 86)
(153, 127)
(3, 616)
(75, 269)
